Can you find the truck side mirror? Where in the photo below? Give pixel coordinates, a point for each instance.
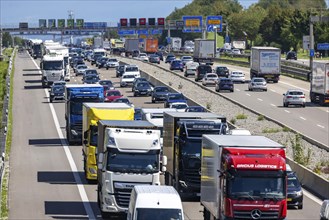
(164, 160)
(85, 141)
(164, 169)
(100, 161)
(85, 134)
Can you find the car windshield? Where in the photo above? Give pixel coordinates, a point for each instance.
(92, 78)
(293, 182)
(122, 101)
(237, 74)
(52, 65)
(179, 106)
(132, 69)
(161, 89)
(82, 67)
(138, 162)
(175, 96)
(295, 93)
(259, 80)
(158, 214)
(128, 76)
(91, 72)
(105, 82)
(113, 60)
(205, 69)
(143, 85)
(212, 75)
(113, 93)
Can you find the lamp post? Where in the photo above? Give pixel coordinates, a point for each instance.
(215, 41)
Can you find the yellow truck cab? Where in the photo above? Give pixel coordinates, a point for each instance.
(91, 114)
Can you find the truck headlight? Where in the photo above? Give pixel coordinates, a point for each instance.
(52, 93)
(299, 193)
(109, 201)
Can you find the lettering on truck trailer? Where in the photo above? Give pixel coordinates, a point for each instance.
(257, 166)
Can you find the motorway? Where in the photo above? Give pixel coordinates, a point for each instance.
(46, 176)
(312, 121)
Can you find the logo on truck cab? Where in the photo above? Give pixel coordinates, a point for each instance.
(257, 166)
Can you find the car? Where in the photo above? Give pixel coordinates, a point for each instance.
(80, 69)
(94, 58)
(294, 189)
(106, 83)
(324, 211)
(294, 97)
(209, 79)
(119, 70)
(237, 76)
(137, 80)
(224, 84)
(123, 100)
(236, 51)
(142, 88)
(174, 97)
(76, 63)
(169, 58)
(154, 59)
(190, 68)
(222, 71)
(143, 57)
(195, 109)
(59, 83)
(102, 62)
(91, 79)
(291, 55)
(257, 83)
(112, 63)
(159, 93)
(57, 92)
(112, 94)
(202, 70)
(177, 65)
(90, 72)
(138, 114)
(127, 79)
(186, 59)
(133, 69)
(159, 54)
(179, 106)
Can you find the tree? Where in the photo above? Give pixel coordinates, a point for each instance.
(6, 39)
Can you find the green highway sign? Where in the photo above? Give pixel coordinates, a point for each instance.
(80, 23)
(70, 23)
(61, 23)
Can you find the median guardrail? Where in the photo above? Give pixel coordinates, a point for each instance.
(313, 182)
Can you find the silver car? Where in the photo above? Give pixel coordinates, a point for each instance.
(257, 83)
(209, 79)
(80, 69)
(294, 97)
(237, 76)
(186, 59)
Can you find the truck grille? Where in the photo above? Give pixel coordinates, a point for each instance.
(260, 214)
(192, 177)
(122, 192)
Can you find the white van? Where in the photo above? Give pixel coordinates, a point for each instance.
(190, 68)
(151, 202)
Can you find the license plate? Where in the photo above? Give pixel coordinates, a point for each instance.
(289, 199)
(295, 98)
(143, 92)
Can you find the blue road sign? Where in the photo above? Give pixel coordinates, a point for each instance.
(312, 53)
(156, 31)
(145, 32)
(214, 21)
(126, 32)
(323, 46)
(94, 25)
(168, 40)
(192, 24)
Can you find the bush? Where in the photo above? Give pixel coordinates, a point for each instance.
(271, 130)
(260, 118)
(298, 151)
(241, 116)
(233, 120)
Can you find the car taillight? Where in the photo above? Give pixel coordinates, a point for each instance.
(289, 97)
(302, 97)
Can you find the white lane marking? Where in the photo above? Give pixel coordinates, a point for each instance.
(311, 196)
(260, 99)
(237, 90)
(321, 126)
(248, 94)
(294, 86)
(75, 80)
(69, 157)
(287, 111)
(273, 90)
(273, 105)
(302, 118)
(328, 111)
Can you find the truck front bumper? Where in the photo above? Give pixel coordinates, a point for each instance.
(109, 205)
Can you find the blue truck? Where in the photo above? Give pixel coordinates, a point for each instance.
(75, 95)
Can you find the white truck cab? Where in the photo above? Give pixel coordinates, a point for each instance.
(150, 202)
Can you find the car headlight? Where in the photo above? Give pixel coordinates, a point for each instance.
(52, 93)
(299, 193)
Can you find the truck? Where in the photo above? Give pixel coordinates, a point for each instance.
(98, 42)
(52, 68)
(155, 202)
(128, 155)
(91, 114)
(150, 45)
(64, 51)
(182, 135)
(176, 44)
(265, 62)
(36, 48)
(319, 92)
(75, 95)
(243, 177)
(131, 45)
(204, 51)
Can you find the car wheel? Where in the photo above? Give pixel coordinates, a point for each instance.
(304, 105)
(76, 74)
(232, 90)
(181, 70)
(300, 206)
(265, 90)
(135, 94)
(107, 68)
(51, 100)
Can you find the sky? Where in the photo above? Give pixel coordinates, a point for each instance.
(14, 11)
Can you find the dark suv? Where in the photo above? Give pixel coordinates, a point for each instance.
(294, 190)
(291, 55)
(224, 84)
(202, 70)
(222, 71)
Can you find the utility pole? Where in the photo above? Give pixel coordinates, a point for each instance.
(1, 57)
(71, 16)
(168, 36)
(215, 41)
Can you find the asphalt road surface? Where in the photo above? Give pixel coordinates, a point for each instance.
(46, 176)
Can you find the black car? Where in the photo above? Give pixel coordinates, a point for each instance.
(57, 93)
(159, 93)
(224, 84)
(107, 83)
(195, 109)
(159, 54)
(91, 79)
(142, 88)
(201, 71)
(291, 55)
(95, 58)
(154, 59)
(222, 71)
(294, 190)
(137, 80)
(101, 62)
(169, 58)
(122, 100)
(174, 97)
(119, 70)
(138, 114)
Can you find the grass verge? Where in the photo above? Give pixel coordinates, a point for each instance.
(4, 189)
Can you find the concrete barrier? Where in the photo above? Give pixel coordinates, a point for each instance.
(310, 180)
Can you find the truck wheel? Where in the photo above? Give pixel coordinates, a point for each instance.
(153, 100)
(51, 100)
(321, 100)
(300, 206)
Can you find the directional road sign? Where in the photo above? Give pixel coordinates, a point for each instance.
(143, 31)
(214, 21)
(323, 46)
(61, 23)
(156, 31)
(126, 32)
(312, 53)
(192, 24)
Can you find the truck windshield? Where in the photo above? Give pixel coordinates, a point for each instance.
(133, 162)
(93, 135)
(53, 65)
(191, 147)
(76, 105)
(252, 185)
(158, 214)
